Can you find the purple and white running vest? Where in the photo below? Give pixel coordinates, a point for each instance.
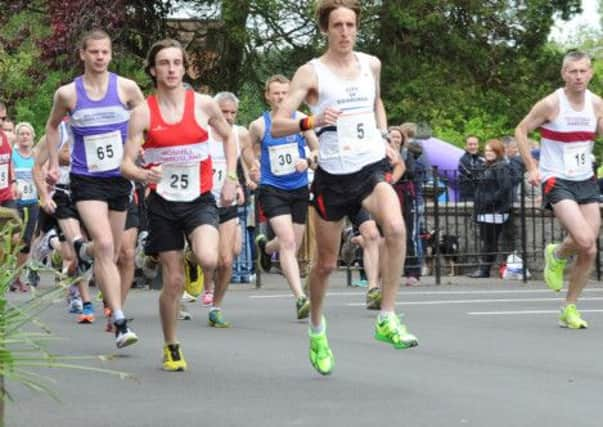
(100, 129)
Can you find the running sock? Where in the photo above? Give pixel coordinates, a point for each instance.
(118, 315)
(316, 330)
(214, 309)
(384, 315)
(87, 304)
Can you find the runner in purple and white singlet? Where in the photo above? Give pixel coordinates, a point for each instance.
(98, 103)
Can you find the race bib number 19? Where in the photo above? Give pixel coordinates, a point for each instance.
(104, 151)
(576, 158)
(179, 183)
(356, 132)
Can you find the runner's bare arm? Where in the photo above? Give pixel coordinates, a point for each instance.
(380, 115)
(217, 121)
(598, 107)
(38, 174)
(540, 114)
(139, 122)
(249, 160)
(302, 84)
(133, 94)
(60, 107)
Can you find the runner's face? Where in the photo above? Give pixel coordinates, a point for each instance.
(8, 127)
(229, 111)
(342, 30)
(276, 93)
(169, 68)
(577, 74)
(97, 55)
(25, 138)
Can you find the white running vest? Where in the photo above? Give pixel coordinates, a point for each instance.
(355, 142)
(218, 161)
(567, 141)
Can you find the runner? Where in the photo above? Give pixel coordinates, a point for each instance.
(59, 223)
(230, 231)
(98, 103)
(569, 119)
(8, 183)
(342, 90)
(179, 173)
(283, 193)
(9, 129)
(27, 198)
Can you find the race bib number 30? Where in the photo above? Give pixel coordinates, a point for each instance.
(3, 176)
(576, 158)
(104, 151)
(179, 183)
(356, 133)
(283, 158)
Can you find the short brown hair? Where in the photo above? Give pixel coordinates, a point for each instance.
(325, 7)
(497, 146)
(95, 34)
(409, 129)
(156, 48)
(278, 78)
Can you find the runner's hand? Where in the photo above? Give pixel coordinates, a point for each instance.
(228, 192)
(301, 165)
(534, 177)
(153, 174)
(48, 205)
(327, 117)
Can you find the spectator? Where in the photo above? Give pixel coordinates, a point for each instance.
(470, 165)
(493, 199)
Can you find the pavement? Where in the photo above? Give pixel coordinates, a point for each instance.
(490, 354)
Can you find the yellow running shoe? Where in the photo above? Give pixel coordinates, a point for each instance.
(320, 353)
(570, 318)
(553, 268)
(172, 358)
(193, 277)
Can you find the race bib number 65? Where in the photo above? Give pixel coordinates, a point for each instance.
(103, 152)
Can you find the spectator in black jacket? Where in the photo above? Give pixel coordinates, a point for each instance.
(492, 204)
(470, 165)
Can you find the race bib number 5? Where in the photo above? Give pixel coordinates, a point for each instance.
(3, 176)
(104, 151)
(283, 158)
(179, 183)
(576, 158)
(356, 132)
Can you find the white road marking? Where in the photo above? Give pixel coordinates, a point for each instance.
(504, 313)
(479, 301)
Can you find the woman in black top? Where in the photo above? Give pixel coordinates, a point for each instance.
(493, 199)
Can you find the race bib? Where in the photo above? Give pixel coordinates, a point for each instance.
(576, 158)
(3, 176)
(27, 189)
(219, 174)
(179, 182)
(103, 152)
(283, 158)
(356, 133)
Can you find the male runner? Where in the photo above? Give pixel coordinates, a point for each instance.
(342, 90)
(230, 231)
(98, 103)
(569, 119)
(283, 193)
(178, 169)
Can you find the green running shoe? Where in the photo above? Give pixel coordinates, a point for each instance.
(391, 331)
(373, 299)
(216, 320)
(570, 318)
(553, 268)
(302, 306)
(321, 356)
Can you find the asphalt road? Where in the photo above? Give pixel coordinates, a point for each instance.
(490, 354)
